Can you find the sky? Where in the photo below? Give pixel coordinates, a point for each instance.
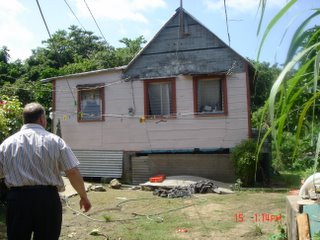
(22, 28)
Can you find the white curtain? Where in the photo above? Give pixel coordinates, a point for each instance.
(209, 95)
(159, 98)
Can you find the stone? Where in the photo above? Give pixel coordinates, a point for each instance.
(114, 183)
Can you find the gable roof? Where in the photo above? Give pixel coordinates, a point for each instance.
(184, 46)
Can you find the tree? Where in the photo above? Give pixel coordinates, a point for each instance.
(74, 47)
(263, 77)
(4, 55)
(132, 47)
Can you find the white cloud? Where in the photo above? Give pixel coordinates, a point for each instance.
(241, 6)
(119, 9)
(13, 34)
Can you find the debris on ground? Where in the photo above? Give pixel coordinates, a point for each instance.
(97, 188)
(176, 192)
(204, 186)
(115, 184)
(182, 230)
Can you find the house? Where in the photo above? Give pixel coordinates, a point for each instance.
(177, 108)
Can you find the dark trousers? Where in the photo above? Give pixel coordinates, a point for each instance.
(35, 210)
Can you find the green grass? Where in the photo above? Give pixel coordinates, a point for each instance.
(287, 179)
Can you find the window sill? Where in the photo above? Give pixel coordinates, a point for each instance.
(216, 114)
(86, 121)
(158, 117)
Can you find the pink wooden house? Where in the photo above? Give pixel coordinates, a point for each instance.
(177, 108)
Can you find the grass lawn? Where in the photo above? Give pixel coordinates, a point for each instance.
(133, 214)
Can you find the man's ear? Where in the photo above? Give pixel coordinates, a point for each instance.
(43, 120)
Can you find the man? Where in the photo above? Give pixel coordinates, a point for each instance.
(31, 162)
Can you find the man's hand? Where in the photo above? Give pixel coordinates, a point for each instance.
(85, 204)
(77, 183)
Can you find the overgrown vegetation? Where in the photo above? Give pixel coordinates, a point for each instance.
(291, 113)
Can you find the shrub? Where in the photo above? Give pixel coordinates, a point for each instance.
(244, 160)
(10, 116)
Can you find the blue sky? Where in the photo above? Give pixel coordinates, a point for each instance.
(22, 28)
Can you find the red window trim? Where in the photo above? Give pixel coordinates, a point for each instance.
(225, 95)
(173, 110)
(89, 87)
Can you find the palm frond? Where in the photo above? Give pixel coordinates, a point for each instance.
(273, 22)
(300, 35)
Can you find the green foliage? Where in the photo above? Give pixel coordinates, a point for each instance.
(288, 179)
(293, 101)
(281, 232)
(4, 54)
(132, 47)
(29, 91)
(316, 236)
(107, 218)
(10, 116)
(244, 160)
(301, 160)
(259, 119)
(263, 77)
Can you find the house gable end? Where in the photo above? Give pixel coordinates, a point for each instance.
(188, 48)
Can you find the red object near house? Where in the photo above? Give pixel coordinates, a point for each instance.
(158, 178)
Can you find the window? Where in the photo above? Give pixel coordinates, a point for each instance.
(90, 103)
(210, 95)
(160, 97)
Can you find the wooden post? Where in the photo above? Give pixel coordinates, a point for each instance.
(303, 226)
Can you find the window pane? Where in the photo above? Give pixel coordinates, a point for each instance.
(209, 96)
(159, 98)
(91, 105)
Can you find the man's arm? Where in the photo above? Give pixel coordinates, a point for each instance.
(77, 183)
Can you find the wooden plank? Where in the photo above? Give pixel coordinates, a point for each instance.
(303, 226)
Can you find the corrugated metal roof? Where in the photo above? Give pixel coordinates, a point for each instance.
(100, 163)
(83, 73)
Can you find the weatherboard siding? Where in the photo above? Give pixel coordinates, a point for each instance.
(119, 131)
(198, 51)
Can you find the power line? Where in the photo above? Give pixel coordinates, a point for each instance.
(226, 15)
(95, 21)
(44, 20)
(74, 15)
(53, 45)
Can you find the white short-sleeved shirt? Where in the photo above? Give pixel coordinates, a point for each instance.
(34, 156)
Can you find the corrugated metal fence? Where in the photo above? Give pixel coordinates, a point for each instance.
(95, 163)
